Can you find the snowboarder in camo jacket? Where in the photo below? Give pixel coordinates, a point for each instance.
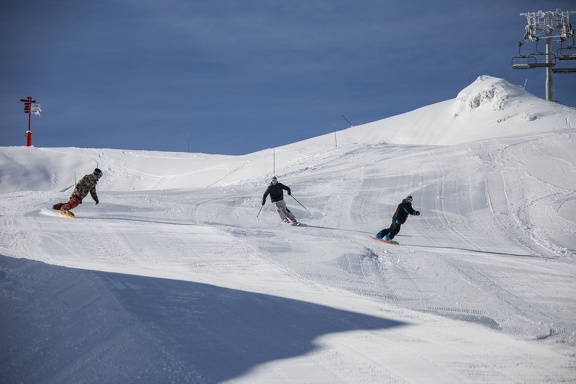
(404, 209)
(275, 190)
(86, 185)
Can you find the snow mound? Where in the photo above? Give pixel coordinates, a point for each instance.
(491, 93)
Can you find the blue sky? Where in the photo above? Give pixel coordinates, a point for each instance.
(234, 77)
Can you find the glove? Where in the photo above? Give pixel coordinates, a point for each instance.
(417, 213)
(289, 193)
(96, 201)
(263, 202)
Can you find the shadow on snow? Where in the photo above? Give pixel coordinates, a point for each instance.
(68, 325)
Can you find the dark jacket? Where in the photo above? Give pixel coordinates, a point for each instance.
(86, 185)
(404, 209)
(275, 192)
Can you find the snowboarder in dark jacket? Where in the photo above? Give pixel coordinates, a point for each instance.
(275, 190)
(404, 209)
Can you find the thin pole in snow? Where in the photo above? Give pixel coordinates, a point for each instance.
(335, 140)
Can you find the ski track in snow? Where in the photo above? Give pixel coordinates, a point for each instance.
(444, 265)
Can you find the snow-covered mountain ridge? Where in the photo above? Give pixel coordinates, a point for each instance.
(488, 108)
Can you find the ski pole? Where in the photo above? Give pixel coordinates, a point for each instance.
(262, 206)
(300, 203)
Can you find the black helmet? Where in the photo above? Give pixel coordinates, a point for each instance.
(409, 198)
(97, 172)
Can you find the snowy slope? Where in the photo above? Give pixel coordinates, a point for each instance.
(173, 278)
(488, 108)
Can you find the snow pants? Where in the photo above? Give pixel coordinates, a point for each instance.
(392, 231)
(71, 204)
(283, 211)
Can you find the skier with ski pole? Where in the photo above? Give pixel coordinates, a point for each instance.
(275, 190)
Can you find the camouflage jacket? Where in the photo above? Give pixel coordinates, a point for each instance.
(85, 185)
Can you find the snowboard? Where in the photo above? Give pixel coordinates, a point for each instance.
(64, 213)
(386, 241)
(55, 212)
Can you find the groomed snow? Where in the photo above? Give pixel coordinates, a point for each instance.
(174, 278)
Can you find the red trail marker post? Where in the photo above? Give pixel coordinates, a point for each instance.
(30, 107)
